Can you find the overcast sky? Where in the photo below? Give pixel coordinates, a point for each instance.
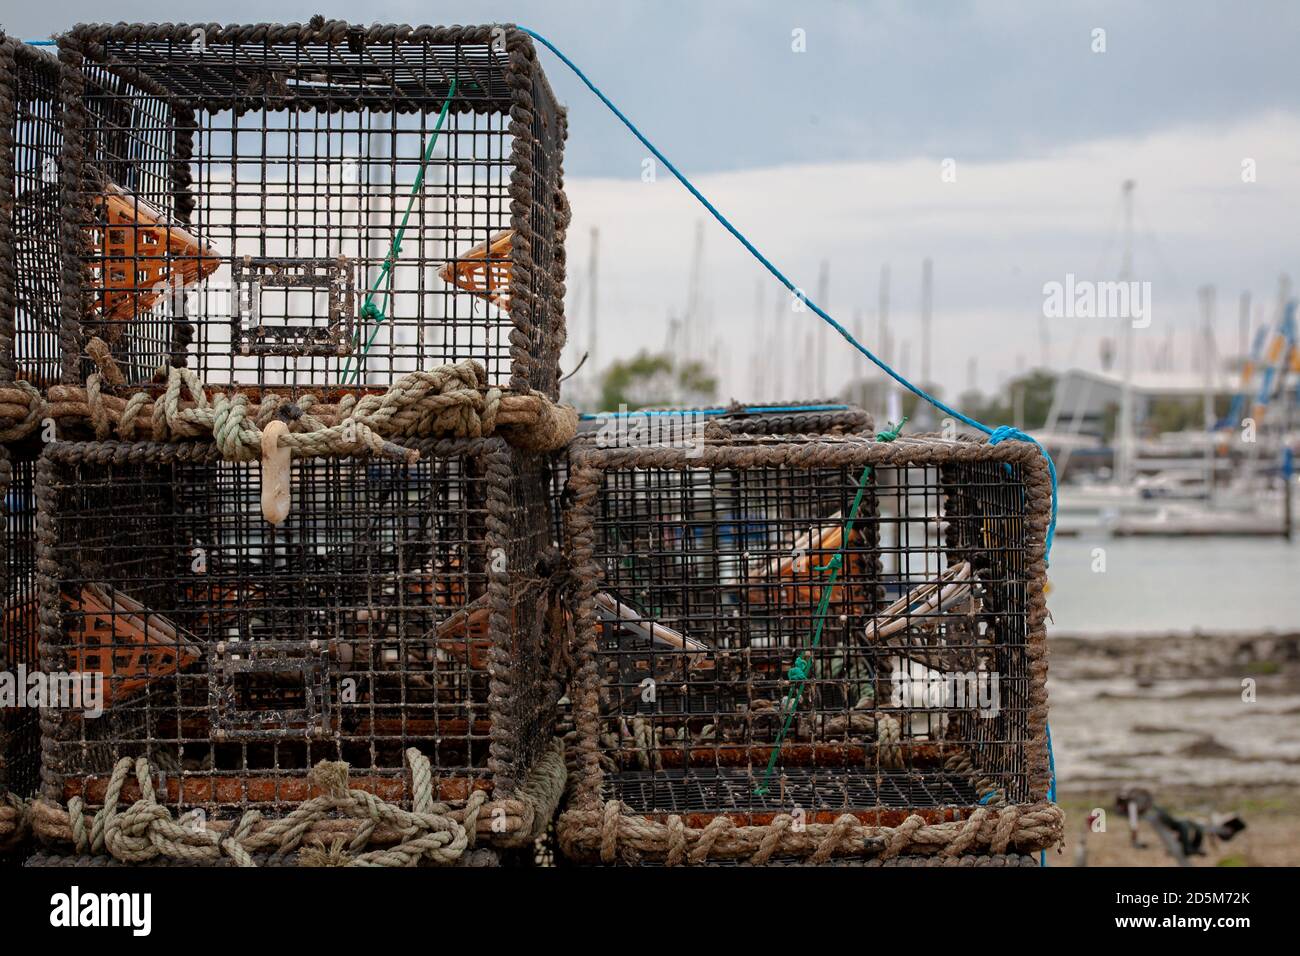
(836, 153)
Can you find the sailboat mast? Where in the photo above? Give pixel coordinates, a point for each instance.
(1207, 397)
(1124, 450)
(694, 338)
(592, 259)
(882, 309)
(927, 316)
(823, 299)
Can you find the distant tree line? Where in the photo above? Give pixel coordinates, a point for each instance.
(651, 379)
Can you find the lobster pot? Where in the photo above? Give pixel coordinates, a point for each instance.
(19, 723)
(396, 606)
(693, 425)
(29, 217)
(308, 216)
(803, 628)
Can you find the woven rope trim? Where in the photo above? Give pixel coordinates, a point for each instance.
(335, 828)
(451, 401)
(612, 834)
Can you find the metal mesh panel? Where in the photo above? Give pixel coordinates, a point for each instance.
(285, 161)
(694, 424)
(714, 575)
(30, 268)
(133, 203)
(19, 725)
(236, 654)
(986, 525)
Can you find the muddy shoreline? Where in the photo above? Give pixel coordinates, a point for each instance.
(1208, 722)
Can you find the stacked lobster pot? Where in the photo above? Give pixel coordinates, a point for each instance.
(691, 428)
(809, 649)
(311, 562)
(296, 527)
(29, 349)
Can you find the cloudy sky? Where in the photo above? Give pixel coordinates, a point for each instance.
(837, 154)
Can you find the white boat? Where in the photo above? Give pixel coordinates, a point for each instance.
(1237, 518)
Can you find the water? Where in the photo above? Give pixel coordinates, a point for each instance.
(1174, 584)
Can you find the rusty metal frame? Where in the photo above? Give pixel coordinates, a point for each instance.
(249, 333)
(229, 661)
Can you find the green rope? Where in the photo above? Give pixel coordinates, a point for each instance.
(801, 669)
(370, 312)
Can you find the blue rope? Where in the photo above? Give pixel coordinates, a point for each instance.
(995, 434)
(1002, 433)
(1051, 765)
(775, 409)
(1051, 790)
(747, 410)
(770, 267)
(767, 264)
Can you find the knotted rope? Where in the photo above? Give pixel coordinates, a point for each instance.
(451, 401)
(332, 829)
(146, 830)
(887, 729)
(990, 792)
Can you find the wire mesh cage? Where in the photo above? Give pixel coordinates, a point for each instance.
(19, 718)
(691, 427)
(314, 204)
(807, 628)
(29, 216)
(397, 606)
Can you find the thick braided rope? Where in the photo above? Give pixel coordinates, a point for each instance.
(611, 833)
(886, 728)
(430, 831)
(21, 409)
(146, 830)
(990, 793)
(449, 401)
(15, 821)
(526, 815)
